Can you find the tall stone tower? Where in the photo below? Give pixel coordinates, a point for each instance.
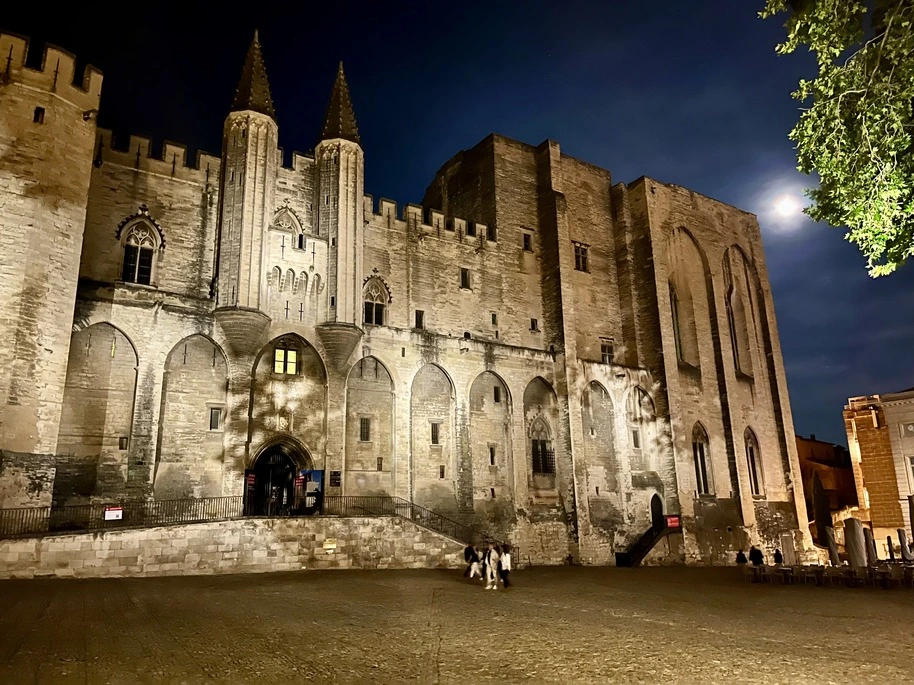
(250, 161)
(47, 135)
(340, 188)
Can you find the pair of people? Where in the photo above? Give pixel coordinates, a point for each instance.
(494, 565)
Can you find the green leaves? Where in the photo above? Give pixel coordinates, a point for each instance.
(857, 131)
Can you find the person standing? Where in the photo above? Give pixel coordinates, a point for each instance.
(741, 558)
(505, 564)
(756, 556)
(468, 558)
(492, 568)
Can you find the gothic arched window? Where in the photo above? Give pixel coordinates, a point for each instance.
(541, 446)
(140, 245)
(640, 410)
(376, 299)
(753, 462)
(700, 456)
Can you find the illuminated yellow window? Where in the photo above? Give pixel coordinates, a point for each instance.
(285, 359)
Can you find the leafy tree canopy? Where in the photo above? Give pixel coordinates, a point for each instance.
(857, 129)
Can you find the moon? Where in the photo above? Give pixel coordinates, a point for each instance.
(786, 206)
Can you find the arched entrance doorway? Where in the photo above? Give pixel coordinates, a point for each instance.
(657, 519)
(273, 486)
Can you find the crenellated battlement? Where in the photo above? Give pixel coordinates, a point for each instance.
(173, 161)
(428, 222)
(58, 68)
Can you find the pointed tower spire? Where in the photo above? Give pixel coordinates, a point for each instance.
(253, 91)
(340, 119)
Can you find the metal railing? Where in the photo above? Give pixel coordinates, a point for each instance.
(35, 521)
(26, 522)
(397, 506)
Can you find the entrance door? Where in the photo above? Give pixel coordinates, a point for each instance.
(657, 521)
(274, 484)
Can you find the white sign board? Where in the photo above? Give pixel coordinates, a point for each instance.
(114, 513)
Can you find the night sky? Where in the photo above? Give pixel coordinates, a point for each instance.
(690, 93)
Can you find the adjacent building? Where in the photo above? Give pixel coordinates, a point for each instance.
(538, 350)
(880, 435)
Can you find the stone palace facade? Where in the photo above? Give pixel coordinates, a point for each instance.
(537, 351)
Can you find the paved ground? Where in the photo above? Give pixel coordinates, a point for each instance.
(556, 625)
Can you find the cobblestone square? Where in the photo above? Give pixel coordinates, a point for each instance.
(647, 625)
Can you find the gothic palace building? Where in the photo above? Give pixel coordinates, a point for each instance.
(536, 351)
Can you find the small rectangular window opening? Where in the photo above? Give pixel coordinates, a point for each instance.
(491, 456)
(380, 463)
(471, 229)
(122, 442)
(365, 430)
(441, 471)
(491, 234)
(606, 352)
(580, 257)
(496, 394)
(465, 278)
(436, 435)
(636, 439)
(420, 319)
(534, 325)
(492, 490)
(449, 224)
(38, 117)
(494, 319)
(528, 242)
(215, 418)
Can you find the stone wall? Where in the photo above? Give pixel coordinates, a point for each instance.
(238, 546)
(47, 131)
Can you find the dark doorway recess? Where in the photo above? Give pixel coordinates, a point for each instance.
(270, 486)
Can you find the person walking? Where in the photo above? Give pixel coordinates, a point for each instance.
(468, 552)
(492, 557)
(505, 565)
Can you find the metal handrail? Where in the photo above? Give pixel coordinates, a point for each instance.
(36, 521)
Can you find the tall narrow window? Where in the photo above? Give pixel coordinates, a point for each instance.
(731, 322)
(753, 463)
(677, 331)
(441, 471)
(542, 454)
(471, 229)
(528, 242)
(365, 429)
(534, 325)
(700, 459)
(285, 357)
(139, 250)
(380, 463)
(494, 319)
(491, 233)
(491, 456)
(496, 394)
(580, 257)
(420, 319)
(38, 116)
(376, 298)
(465, 279)
(436, 433)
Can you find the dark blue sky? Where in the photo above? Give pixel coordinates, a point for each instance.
(686, 92)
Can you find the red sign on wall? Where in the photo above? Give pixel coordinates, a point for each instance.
(672, 522)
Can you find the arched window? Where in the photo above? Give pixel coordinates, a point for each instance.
(542, 452)
(700, 457)
(677, 331)
(753, 462)
(640, 410)
(376, 299)
(285, 357)
(140, 245)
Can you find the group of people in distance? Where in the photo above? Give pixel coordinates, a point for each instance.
(757, 558)
(492, 566)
